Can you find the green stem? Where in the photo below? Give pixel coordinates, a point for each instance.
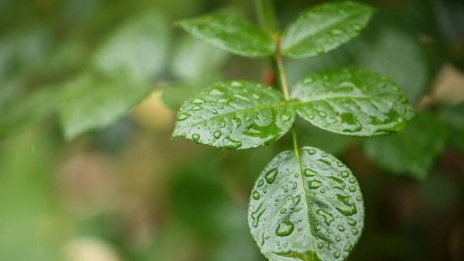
(281, 72)
(265, 11)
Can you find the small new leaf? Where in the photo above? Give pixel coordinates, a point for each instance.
(352, 101)
(324, 28)
(231, 34)
(235, 115)
(306, 206)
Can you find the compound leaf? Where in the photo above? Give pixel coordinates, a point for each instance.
(235, 115)
(324, 28)
(306, 206)
(352, 101)
(412, 151)
(231, 34)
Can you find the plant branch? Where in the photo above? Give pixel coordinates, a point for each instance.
(265, 11)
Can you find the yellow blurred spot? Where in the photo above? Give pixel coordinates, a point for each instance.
(89, 249)
(153, 114)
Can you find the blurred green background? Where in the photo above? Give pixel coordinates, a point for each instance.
(86, 176)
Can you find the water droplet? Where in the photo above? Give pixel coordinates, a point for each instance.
(323, 191)
(355, 231)
(216, 91)
(256, 195)
(322, 114)
(308, 173)
(338, 239)
(271, 175)
(314, 184)
(359, 198)
(283, 211)
(311, 151)
(352, 180)
(231, 143)
(198, 101)
(196, 108)
(260, 183)
(351, 222)
(344, 205)
(286, 117)
(182, 116)
(308, 80)
(320, 245)
(222, 123)
(337, 254)
(195, 137)
(320, 50)
(295, 202)
(285, 229)
(217, 134)
(256, 215)
(352, 188)
(328, 218)
(237, 84)
(224, 100)
(345, 174)
(256, 96)
(341, 228)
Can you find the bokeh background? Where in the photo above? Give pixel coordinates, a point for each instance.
(114, 186)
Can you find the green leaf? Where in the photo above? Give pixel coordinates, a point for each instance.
(173, 96)
(231, 34)
(412, 151)
(306, 206)
(352, 101)
(235, 115)
(324, 28)
(90, 103)
(29, 110)
(453, 116)
(137, 50)
(197, 61)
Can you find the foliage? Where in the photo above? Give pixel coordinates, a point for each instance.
(303, 194)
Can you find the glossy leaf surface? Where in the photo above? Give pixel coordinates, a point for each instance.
(231, 34)
(306, 208)
(89, 104)
(324, 28)
(412, 151)
(352, 101)
(235, 115)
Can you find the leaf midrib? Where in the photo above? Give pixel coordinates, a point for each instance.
(300, 172)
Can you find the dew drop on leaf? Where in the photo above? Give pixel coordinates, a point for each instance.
(314, 184)
(217, 134)
(271, 175)
(198, 101)
(232, 144)
(328, 218)
(182, 116)
(285, 229)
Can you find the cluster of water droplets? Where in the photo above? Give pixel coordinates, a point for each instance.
(235, 115)
(316, 212)
(352, 101)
